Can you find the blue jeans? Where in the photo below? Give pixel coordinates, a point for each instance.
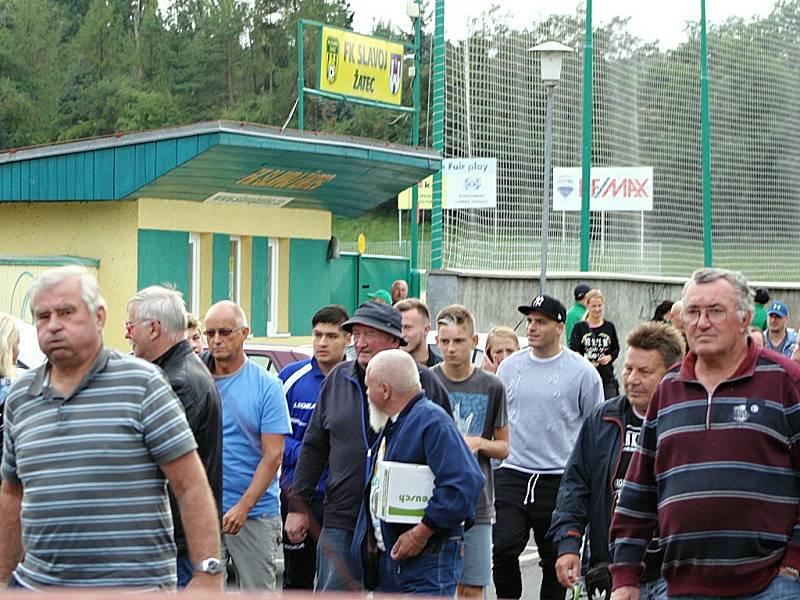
(654, 590)
(780, 588)
(336, 570)
(431, 573)
(185, 569)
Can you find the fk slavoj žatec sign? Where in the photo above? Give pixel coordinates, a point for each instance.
(360, 66)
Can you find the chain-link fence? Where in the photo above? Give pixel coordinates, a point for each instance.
(646, 112)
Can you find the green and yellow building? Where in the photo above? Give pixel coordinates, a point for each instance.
(219, 209)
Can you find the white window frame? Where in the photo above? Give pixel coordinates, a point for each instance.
(237, 269)
(273, 278)
(194, 274)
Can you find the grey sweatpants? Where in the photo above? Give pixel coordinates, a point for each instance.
(254, 552)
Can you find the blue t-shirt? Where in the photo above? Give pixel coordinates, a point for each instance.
(252, 404)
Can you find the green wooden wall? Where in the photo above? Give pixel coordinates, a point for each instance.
(163, 258)
(259, 294)
(220, 264)
(309, 282)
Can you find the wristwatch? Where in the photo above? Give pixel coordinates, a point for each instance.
(211, 566)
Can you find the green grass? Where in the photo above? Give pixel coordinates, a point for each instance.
(379, 225)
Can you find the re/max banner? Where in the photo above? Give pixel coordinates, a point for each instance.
(360, 66)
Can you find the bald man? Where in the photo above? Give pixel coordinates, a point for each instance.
(423, 558)
(255, 420)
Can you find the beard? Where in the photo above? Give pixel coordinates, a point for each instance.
(377, 418)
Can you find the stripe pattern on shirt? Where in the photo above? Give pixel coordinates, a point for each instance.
(719, 474)
(95, 511)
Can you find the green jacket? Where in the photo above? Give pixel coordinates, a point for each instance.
(575, 313)
(759, 317)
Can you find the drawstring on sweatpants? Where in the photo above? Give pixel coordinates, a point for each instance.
(531, 489)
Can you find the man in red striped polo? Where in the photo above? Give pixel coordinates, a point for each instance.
(717, 464)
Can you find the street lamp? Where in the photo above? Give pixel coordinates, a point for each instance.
(551, 54)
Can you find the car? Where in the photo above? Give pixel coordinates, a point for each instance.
(273, 357)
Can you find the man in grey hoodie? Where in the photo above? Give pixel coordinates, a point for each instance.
(550, 391)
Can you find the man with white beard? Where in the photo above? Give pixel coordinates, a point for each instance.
(426, 557)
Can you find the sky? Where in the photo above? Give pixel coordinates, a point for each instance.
(651, 20)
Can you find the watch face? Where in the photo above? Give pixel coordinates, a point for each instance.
(212, 566)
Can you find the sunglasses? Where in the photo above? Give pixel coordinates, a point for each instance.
(225, 332)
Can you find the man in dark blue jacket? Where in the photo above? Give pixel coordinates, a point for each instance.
(596, 468)
(422, 558)
(302, 381)
(340, 437)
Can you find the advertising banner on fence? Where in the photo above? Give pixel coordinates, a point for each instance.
(612, 188)
(425, 198)
(471, 182)
(360, 66)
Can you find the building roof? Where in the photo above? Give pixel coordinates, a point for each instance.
(219, 162)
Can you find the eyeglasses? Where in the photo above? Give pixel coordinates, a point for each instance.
(224, 332)
(131, 325)
(715, 314)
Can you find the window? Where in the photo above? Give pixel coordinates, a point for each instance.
(234, 269)
(193, 293)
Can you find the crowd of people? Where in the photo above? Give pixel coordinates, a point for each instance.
(186, 464)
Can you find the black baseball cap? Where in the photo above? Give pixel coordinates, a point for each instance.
(581, 290)
(378, 316)
(762, 295)
(547, 305)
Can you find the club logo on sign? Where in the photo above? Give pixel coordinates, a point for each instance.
(395, 73)
(332, 56)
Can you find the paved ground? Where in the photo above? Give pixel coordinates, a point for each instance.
(531, 575)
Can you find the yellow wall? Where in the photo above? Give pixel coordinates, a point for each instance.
(108, 231)
(230, 219)
(102, 230)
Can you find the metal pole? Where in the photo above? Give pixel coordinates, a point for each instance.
(415, 287)
(300, 77)
(548, 156)
(438, 132)
(708, 254)
(586, 163)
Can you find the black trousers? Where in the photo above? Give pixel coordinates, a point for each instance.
(300, 560)
(523, 502)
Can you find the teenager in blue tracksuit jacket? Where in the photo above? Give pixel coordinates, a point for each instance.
(302, 381)
(424, 434)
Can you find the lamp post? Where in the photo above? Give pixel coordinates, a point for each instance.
(551, 54)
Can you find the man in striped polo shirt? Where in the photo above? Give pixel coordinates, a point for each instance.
(90, 436)
(716, 467)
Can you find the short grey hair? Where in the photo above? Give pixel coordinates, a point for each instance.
(744, 294)
(90, 289)
(164, 305)
(241, 318)
(396, 368)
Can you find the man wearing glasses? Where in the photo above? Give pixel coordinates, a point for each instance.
(716, 466)
(156, 329)
(255, 420)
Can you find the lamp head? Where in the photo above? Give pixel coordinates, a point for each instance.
(552, 54)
